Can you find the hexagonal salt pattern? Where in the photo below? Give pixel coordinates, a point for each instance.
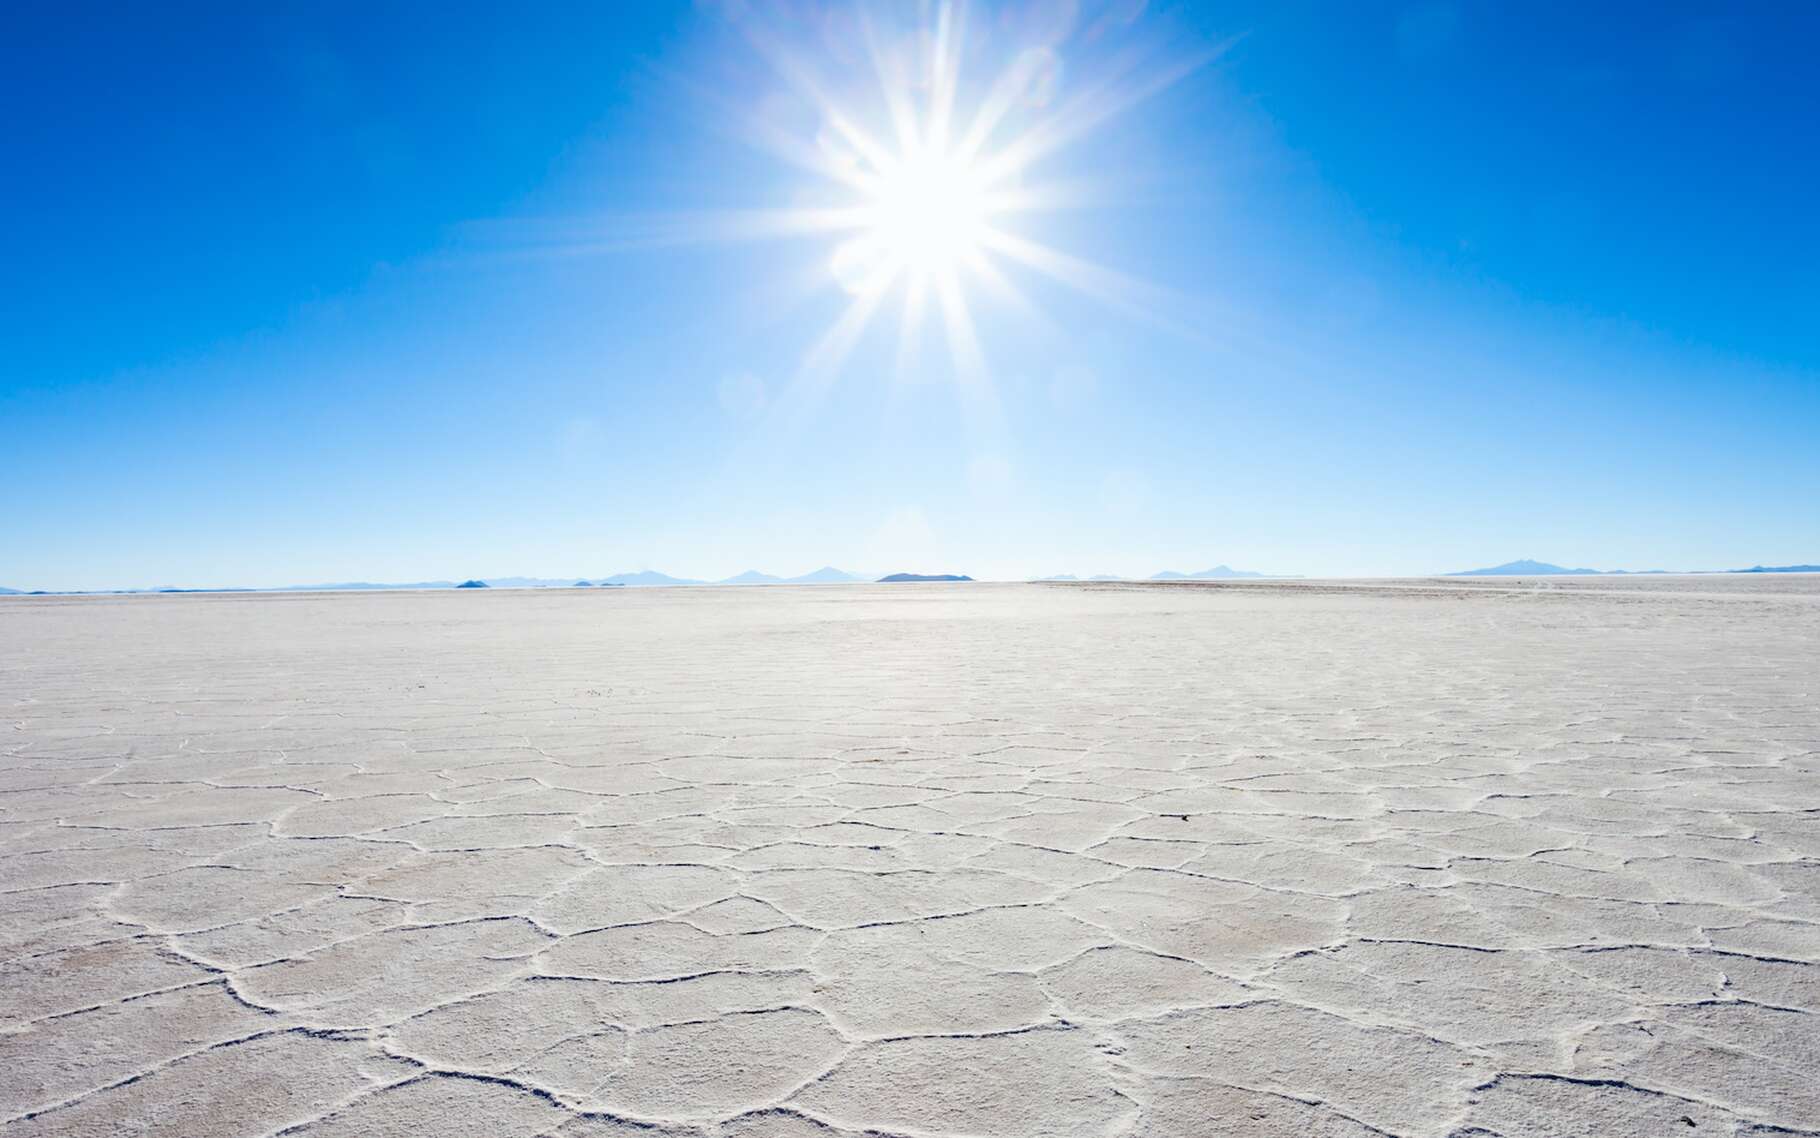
(950, 861)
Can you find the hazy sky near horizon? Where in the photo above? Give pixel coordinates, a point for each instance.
(308, 292)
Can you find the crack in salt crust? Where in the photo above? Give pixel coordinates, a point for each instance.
(1020, 861)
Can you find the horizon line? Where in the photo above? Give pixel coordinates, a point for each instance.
(1221, 572)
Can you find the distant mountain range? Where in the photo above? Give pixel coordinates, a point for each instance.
(752, 577)
(829, 575)
(1525, 568)
(826, 575)
(1217, 573)
(897, 578)
(647, 577)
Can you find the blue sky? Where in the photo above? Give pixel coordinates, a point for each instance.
(311, 292)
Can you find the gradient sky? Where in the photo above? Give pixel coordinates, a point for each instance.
(305, 292)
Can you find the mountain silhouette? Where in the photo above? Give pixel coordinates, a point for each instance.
(752, 577)
(1217, 573)
(826, 575)
(900, 577)
(1525, 568)
(647, 577)
(1224, 572)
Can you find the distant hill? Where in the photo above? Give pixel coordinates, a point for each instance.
(1060, 577)
(472, 585)
(826, 575)
(6, 592)
(895, 578)
(1525, 569)
(1217, 573)
(1226, 573)
(752, 577)
(647, 577)
(1752, 569)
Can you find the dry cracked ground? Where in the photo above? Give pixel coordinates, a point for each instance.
(1409, 859)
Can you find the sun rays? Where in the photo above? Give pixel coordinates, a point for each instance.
(920, 155)
(931, 146)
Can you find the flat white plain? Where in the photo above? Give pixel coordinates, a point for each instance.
(1420, 858)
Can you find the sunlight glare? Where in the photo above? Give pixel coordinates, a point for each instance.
(928, 212)
(917, 198)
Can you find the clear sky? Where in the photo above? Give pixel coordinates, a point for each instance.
(304, 292)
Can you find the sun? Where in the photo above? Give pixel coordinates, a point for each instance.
(930, 151)
(926, 215)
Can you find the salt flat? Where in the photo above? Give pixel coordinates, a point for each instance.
(1468, 857)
